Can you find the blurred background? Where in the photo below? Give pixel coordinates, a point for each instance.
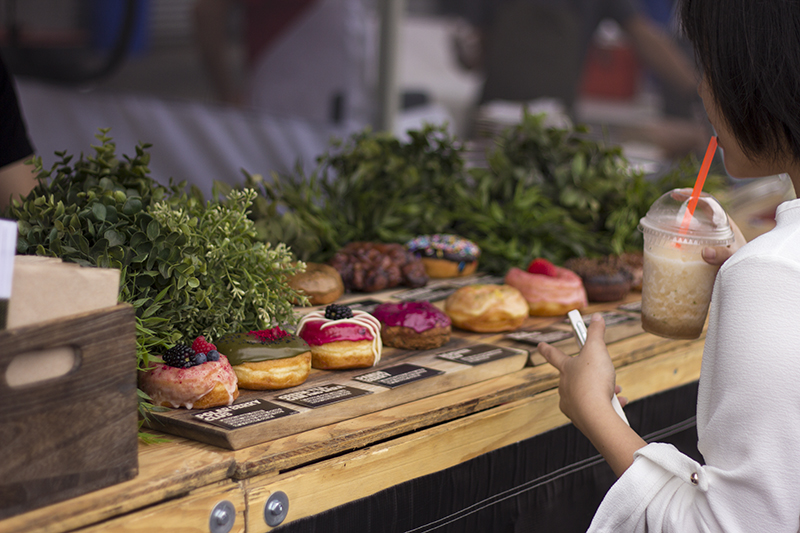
(217, 86)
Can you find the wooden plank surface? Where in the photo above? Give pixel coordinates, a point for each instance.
(321, 486)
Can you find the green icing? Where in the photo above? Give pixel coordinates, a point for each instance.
(243, 348)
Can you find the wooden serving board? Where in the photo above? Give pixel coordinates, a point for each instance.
(328, 397)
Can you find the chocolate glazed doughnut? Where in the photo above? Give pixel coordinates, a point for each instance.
(371, 267)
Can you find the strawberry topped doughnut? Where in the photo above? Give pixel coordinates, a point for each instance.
(341, 338)
(194, 377)
(548, 289)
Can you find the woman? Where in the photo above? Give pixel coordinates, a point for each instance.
(748, 412)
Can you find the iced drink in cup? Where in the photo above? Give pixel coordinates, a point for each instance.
(677, 283)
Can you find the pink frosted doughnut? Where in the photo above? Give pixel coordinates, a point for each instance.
(207, 385)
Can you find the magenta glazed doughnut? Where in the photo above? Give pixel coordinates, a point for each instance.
(341, 338)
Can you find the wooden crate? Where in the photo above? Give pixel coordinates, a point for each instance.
(75, 433)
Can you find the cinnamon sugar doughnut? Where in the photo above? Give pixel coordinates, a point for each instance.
(321, 283)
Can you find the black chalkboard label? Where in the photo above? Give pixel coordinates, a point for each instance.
(398, 375)
(322, 395)
(477, 354)
(540, 335)
(244, 414)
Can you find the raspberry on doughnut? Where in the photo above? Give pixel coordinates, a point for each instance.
(549, 290)
(445, 256)
(413, 325)
(267, 359)
(341, 338)
(194, 380)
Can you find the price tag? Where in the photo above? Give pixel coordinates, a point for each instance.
(477, 354)
(322, 395)
(540, 335)
(243, 414)
(398, 375)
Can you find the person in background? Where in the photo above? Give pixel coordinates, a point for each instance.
(16, 177)
(530, 49)
(308, 59)
(748, 406)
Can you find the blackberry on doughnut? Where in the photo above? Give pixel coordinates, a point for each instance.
(341, 338)
(267, 359)
(413, 325)
(190, 379)
(444, 255)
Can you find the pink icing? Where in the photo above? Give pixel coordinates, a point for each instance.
(182, 387)
(313, 332)
(419, 316)
(566, 288)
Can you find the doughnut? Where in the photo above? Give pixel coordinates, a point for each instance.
(635, 263)
(487, 308)
(606, 279)
(183, 381)
(548, 289)
(341, 337)
(370, 267)
(321, 283)
(267, 359)
(445, 256)
(413, 325)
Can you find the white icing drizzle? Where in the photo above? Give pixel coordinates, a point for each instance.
(360, 318)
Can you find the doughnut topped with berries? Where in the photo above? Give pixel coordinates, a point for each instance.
(341, 337)
(444, 255)
(267, 359)
(413, 325)
(194, 377)
(550, 290)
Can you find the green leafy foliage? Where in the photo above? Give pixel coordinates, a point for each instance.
(188, 267)
(372, 187)
(545, 192)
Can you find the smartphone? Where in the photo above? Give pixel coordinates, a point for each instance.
(579, 328)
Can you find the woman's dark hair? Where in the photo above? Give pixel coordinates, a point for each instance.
(749, 51)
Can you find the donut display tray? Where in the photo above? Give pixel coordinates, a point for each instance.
(328, 397)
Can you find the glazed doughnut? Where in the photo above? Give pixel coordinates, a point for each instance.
(445, 256)
(413, 325)
(549, 290)
(267, 359)
(341, 338)
(321, 283)
(370, 267)
(487, 308)
(194, 386)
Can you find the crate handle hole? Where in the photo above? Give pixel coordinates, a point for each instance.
(33, 367)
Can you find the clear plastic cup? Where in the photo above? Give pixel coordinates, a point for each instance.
(677, 283)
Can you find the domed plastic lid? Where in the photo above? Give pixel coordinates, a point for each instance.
(708, 226)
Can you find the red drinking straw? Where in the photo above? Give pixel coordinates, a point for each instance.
(698, 184)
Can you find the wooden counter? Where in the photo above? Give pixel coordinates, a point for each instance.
(180, 481)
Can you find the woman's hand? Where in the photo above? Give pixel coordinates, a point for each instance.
(586, 386)
(588, 379)
(716, 255)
